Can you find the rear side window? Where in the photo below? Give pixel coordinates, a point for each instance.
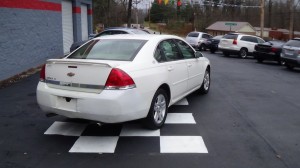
(293, 43)
(230, 36)
(193, 34)
(109, 49)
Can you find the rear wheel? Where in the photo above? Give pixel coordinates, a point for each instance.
(158, 110)
(212, 51)
(290, 67)
(206, 83)
(243, 53)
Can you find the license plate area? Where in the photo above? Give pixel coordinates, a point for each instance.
(66, 103)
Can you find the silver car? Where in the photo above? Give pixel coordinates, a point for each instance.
(198, 39)
(291, 53)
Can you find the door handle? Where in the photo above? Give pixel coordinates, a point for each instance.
(170, 68)
(189, 65)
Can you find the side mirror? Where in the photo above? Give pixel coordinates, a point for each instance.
(198, 54)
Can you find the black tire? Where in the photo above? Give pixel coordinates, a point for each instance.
(226, 54)
(243, 53)
(259, 60)
(204, 89)
(202, 47)
(156, 119)
(212, 51)
(290, 67)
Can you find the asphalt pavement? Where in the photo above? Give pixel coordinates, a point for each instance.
(250, 118)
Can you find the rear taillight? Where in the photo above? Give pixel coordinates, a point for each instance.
(118, 79)
(234, 42)
(43, 74)
(274, 49)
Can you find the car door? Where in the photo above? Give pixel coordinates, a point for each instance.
(249, 42)
(194, 65)
(170, 56)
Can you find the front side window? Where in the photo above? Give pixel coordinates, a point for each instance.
(109, 49)
(260, 41)
(170, 50)
(186, 50)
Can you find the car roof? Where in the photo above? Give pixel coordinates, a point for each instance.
(139, 37)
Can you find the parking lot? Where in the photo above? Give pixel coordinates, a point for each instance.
(250, 118)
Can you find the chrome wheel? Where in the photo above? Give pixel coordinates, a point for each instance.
(160, 108)
(206, 81)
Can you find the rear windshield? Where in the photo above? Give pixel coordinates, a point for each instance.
(193, 34)
(230, 36)
(109, 49)
(293, 43)
(275, 43)
(136, 31)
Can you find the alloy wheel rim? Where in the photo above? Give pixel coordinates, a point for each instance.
(206, 81)
(160, 108)
(243, 53)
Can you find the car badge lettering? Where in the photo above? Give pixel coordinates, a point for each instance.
(70, 74)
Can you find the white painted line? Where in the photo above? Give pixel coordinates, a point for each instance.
(95, 144)
(182, 144)
(182, 102)
(137, 130)
(65, 128)
(180, 118)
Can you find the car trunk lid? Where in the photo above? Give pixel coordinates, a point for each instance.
(78, 75)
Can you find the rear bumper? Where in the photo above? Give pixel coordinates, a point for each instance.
(266, 56)
(110, 106)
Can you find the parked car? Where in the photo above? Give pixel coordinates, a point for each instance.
(110, 31)
(110, 79)
(198, 39)
(239, 44)
(291, 53)
(270, 50)
(212, 43)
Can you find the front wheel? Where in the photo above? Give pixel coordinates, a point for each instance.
(158, 110)
(202, 47)
(206, 83)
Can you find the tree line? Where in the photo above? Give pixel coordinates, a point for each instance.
(201, 15)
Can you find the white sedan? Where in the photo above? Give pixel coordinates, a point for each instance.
(120, 78)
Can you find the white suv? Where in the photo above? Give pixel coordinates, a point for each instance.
(240, 44)
(198, 39)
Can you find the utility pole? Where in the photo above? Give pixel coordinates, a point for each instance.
(129, 13)
(291, 30)
(149, 13)
(262, 18)
(136, 13)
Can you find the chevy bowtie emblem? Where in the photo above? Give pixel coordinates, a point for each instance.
(70, 74)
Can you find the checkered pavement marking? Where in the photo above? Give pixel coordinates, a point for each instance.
(132, 138)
